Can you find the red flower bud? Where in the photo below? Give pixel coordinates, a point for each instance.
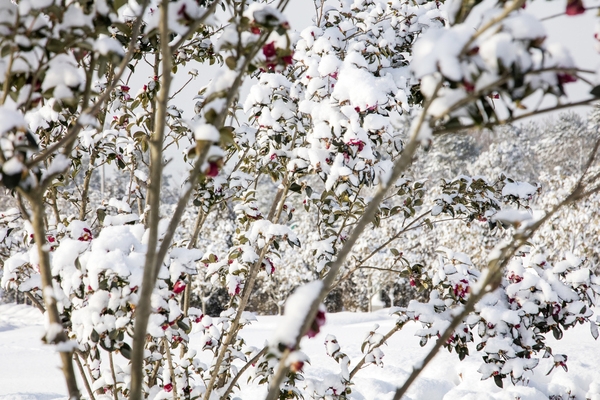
(297, 366)
(213, 169)
(179, 287)
(319, 321)
(566, 78)
(575, 7)
(287, 60)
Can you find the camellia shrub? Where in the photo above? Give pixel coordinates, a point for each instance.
(304, 185)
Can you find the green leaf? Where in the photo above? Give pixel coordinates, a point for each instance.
(231, 62)
(125, 351)
(308, 191)
(557, 332)
(210, 115)
(226, 133)
(294, 187)
(498, 381)
(595, 91)
(183, 326)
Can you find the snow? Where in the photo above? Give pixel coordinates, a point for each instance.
(445, 378)
(361, 88)
(63, 75)
(106, 45)
(296, 307)
(58, 165)
(207, 133)
(522, 190)
(512, 216)
(13, 166)
(10, 119)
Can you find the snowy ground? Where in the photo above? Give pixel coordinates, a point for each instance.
(29, 369)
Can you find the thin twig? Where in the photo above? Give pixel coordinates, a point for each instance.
(114, 376)
(384, 339)
(508, 8)
(35, 302)
(242, 370)
(171, 369)
(490, 125)
(86, 382)
(564, 13)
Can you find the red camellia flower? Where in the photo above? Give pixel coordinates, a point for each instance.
(168, 387)
(356, 142)
(178, 287)
(86, 237)
(575, 7)
(461, 288)
(213, 169)
(469, 87)
(269, 50)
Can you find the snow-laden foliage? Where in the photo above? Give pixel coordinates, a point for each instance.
(508, 325)
(281, 185)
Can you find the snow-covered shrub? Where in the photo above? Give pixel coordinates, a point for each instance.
(509, 324)
(335, 116)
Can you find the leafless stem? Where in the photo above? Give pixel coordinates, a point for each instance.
(384, 339)
(490, 125)
(274, 212)
(187, 294)
(86, 186)
(508, 8)
(156, 167)
(242, 370)
(37, 207)
(171, 369)
(360, 263)
(35, 302)
(235, 325)
(86, 382)
(563, 13)
(114, 375)
(400, 165)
